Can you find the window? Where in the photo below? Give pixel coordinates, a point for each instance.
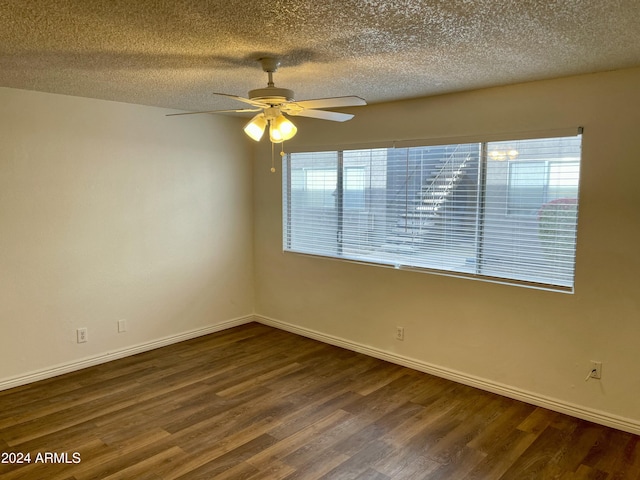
(354, 181)
(532, 184)
(501, 211)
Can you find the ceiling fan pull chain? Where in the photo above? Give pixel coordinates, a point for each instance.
(273, 161)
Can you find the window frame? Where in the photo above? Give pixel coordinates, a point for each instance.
(479, 209)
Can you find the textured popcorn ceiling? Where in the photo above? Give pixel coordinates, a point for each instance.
(175, 53)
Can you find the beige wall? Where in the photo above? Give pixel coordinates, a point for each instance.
(111, 211)
(529, 341)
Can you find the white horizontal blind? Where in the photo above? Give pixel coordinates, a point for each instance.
(497, 210)
(530, 210)
(311, 214)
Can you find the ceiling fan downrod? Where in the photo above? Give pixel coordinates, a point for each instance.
(269, 65)
(271, 95)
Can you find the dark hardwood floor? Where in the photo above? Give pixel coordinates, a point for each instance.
(254, 402)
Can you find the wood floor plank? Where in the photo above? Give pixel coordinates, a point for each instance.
(418, 468)
(404, 432)
(239, 471)
(253, 402)
(513, 413)
(289, 444)
(315, 466)
(459, 465)
(540, 459)
(257, 381)
(502, 455)
(316, 409)
(144, 466)
(275, 471)
(358, 463)
(627, 463)
(371, 474)
(537, 421)
(103, 460)
(376, 428)
(230, 456)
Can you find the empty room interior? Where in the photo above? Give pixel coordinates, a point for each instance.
(436, 276)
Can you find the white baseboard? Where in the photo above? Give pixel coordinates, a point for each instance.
(595, 416)
(125, 352)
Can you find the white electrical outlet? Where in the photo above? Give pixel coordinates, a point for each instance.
(596, 369)
(82, 335)
(399, 333)
(122, 326)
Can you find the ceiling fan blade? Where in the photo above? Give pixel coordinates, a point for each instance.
(242, 110)
(255, 103)
(323, 115)
(333, 102)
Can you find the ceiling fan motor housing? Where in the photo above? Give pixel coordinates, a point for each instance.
(271, 95)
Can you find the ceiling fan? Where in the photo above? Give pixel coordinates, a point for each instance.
(273, 103)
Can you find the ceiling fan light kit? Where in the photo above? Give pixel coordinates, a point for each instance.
(281, 129)
(255, 128)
